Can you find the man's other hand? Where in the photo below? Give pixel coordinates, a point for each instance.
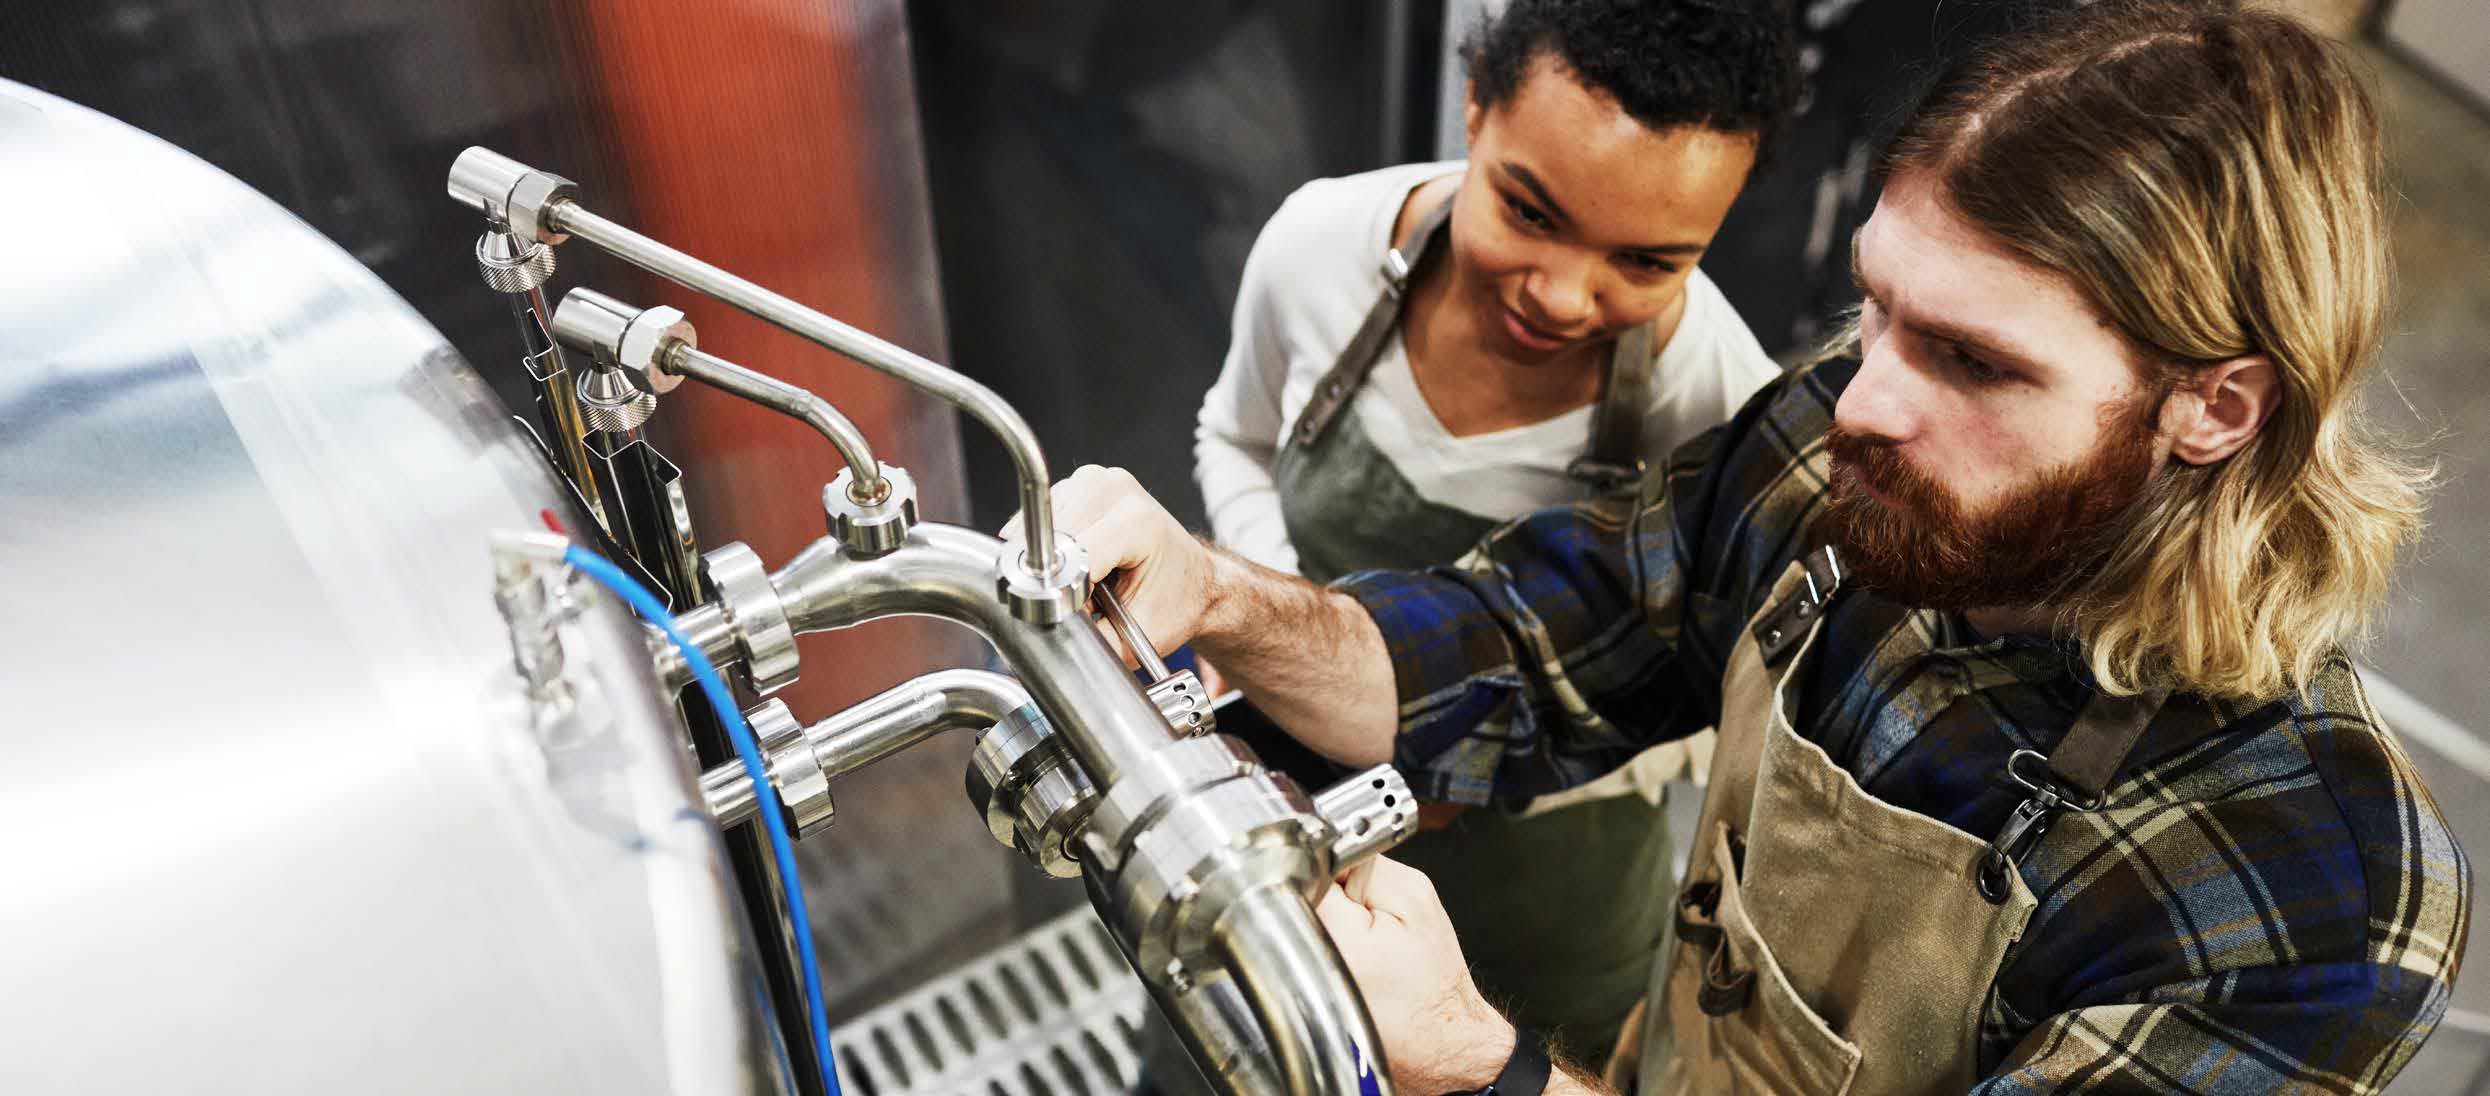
(1438, 1034)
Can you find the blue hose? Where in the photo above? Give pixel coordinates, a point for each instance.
(765, 796)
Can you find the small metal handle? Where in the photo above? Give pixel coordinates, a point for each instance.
(1148, 655)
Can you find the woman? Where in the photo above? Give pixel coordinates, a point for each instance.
(1424, 351)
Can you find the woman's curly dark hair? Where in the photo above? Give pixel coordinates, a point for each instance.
(1725, 65)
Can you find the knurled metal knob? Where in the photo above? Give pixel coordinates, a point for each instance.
(512, 265)
(609, 402)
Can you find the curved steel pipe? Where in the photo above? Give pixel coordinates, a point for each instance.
(1267, 939)
(1221, 1034)
(566, 215)
(866, 485)
(1293, 980)
(878, 727)
(1113, 728)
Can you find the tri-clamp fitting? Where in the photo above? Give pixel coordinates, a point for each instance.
(870, 526)
(1033, 797)
(764, 641)
(1044, 598)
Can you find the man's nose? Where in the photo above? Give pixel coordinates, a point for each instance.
(1882, 401)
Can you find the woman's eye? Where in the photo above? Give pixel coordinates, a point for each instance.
(1524, 213)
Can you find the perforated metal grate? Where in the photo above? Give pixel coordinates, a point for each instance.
(1054, 1013)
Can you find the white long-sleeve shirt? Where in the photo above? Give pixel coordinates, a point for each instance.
(1314, 272)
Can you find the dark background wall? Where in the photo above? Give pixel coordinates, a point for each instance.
(1099, 172)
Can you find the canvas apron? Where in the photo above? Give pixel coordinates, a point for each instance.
(1826, 942)
(1559, 911)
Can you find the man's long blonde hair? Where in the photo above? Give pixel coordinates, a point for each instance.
(2210, 179)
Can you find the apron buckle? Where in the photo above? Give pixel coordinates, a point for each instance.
(1605, 477)
(2025, 827)
(1396, 267)
(1781, 629)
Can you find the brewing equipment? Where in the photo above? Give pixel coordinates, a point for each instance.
(326, 768)
(1203, 864)
(290, 805)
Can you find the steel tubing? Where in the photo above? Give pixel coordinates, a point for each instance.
(1294, 981)
(866, 485)
(878, 727)
(981, 403)
(709, 629)
(1113, 728)
(1221, 1034)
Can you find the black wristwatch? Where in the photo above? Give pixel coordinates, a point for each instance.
(1525, 1073)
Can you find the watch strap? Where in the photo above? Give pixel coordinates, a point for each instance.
(1525, 1073)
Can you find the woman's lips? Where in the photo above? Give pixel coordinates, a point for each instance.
(1530, 337)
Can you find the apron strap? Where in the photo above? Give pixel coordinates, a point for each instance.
(1780, 628)
(1348, 372)
(1614, 464)
(2079, 771)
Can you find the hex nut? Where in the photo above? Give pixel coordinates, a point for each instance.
(643, 345)
(530, 198)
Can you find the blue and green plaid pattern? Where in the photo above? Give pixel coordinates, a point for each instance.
(2267, 901)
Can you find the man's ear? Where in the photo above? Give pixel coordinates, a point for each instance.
(2222, 407)
(1471, 115)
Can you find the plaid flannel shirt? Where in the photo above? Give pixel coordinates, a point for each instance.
(2268, 900)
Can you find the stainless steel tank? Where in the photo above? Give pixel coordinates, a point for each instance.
(273, 815)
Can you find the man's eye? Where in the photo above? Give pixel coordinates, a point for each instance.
(1976, 369)
(1652, 265)
(1524, 213)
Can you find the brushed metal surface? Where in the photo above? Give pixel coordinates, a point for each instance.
(272, 818)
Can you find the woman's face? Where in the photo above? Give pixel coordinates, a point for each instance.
(1577, 222)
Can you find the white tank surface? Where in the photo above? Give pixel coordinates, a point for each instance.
(274, 814)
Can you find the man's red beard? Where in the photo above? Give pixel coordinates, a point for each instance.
(2042, 540)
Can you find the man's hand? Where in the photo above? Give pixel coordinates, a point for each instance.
(1166, 574)
(1438, 1033)
(1310, 657)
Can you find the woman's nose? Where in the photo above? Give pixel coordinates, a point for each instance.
(1563, 293)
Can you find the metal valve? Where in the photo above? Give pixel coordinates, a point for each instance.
(1180, 694)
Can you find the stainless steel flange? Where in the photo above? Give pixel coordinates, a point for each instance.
(762, 633)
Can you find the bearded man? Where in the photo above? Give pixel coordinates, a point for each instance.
(2041, 764)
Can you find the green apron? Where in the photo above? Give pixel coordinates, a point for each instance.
(1561, 911)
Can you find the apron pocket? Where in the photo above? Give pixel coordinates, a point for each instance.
(1752, 1030)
